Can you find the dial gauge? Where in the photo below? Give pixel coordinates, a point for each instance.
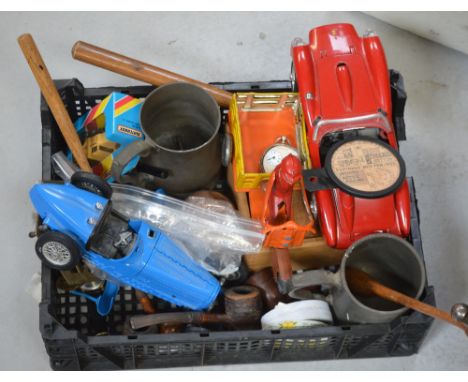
(276, 153)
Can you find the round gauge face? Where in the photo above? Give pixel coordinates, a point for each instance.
(275, 154)
(366, 166)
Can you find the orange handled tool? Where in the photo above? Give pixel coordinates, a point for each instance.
(361, 283)
(282, 231)
(52, 97)
(139, 70)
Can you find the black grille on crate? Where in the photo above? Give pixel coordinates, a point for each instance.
(156, 350)
(79, 313)
(296, 349)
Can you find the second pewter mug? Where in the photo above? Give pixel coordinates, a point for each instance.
(181, 147)
(387, 258)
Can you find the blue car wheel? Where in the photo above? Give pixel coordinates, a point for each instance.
(58, 250)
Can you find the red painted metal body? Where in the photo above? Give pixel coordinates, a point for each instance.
(286, 175)
(343, 82)
(277, 216)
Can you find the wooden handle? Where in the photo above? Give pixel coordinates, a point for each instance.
(52, 97)
(139, 70)
(145, 302)
(361, 283)
(281, 263)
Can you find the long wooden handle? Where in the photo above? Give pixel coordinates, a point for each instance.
(361, 283)
(52, 97)
(281, 263)
(139, 70)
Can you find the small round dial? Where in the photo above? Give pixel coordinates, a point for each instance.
(275, 154)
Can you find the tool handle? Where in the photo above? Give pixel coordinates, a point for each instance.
(143, 321)
(429, 310)
(282, 268)
(139, 70)
(145, 302)
(361, 282)
(52, 97)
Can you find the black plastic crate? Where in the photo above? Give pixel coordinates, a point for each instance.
(73, 332)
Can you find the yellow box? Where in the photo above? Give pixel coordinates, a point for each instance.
(256, 120)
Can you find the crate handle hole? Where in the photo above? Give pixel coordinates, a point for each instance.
(346, 328)
(204, 334)
(132, 337)
(276, 331)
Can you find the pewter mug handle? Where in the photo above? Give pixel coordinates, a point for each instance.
(310, 278)
(126, 155)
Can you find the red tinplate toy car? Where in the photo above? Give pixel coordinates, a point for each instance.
(344, 85)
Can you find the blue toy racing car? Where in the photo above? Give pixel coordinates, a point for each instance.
(79, 223)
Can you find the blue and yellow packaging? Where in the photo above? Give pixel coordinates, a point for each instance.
(107, 128)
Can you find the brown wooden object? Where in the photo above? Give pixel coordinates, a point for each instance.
(361, 283)
(139, 70)
(52, 97)
(314, 253)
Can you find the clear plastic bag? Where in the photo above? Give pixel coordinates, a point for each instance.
(209, 229)
(215, 205)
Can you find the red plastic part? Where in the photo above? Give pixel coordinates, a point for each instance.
(286, 174)
(276, 213)
(342, 75)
